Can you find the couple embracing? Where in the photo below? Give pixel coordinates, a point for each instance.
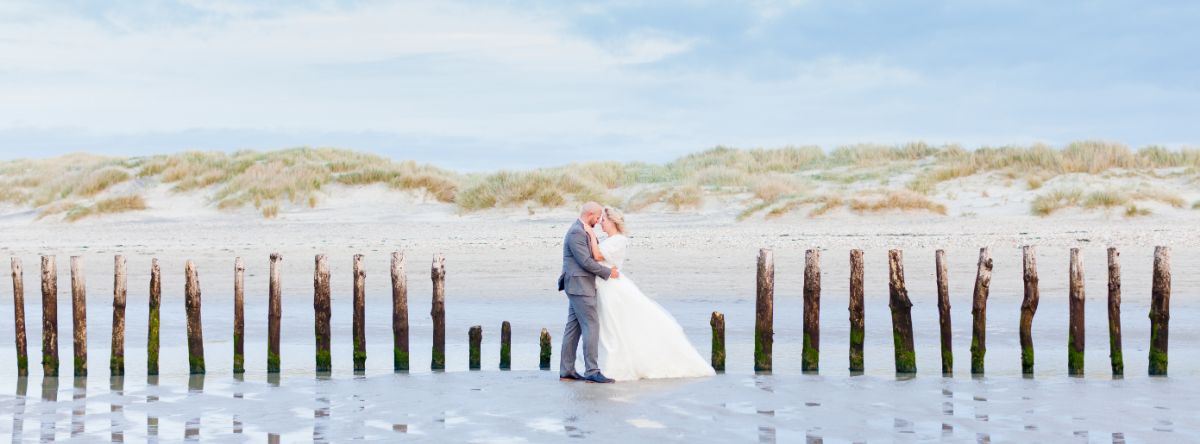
(623, 331)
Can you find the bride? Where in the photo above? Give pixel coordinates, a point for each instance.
(638, 338)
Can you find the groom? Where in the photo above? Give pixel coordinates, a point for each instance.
(578, 280)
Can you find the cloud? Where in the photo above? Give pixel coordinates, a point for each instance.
(535, 81)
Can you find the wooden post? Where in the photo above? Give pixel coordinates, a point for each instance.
(764, 311)
(116, 361)
(239, 316)
(943, 290)
(359, 322)
(1114, 312)
(857, 311)
(901, 306)
(717, 321)
(195, 333)
(274, 314)
(438, 312)
(18, 280)
(1160, 310)
(322, 313)
(544, 341)
(475, 339)
(152, 340)
(1029, 305)
(79, 315)
(399, 313)
(505, 345)
(983, 282)
(49, 317)
(811, 352)
(1075, 332)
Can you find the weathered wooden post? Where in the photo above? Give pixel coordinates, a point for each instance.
(1114, 312)
(359, 322)
(544, 358)
(717, 321)
(152, 339)
(475, 340)
(901, 306)
(764, 311)
(79, 315)
(1160, 310)
(399, 313)
(983, 282)
(239, 316)
(116, 361)
(18, 280)
(1029, 305)
(810, 355)
(322, 313)
(49, 317)
(195, 333)
(274, 314)
(1075, 332)
(438, 312)
(857, 312)
(943, 291)
(505, 345)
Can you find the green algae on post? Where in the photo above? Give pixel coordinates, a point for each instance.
(18, 280)
(505, 345)
(1115, 355)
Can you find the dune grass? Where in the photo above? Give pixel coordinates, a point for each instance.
(771, 182)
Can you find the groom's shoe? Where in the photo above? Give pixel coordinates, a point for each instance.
(598, 378)
(570, 377)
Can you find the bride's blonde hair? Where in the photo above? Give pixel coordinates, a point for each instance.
(616, 217)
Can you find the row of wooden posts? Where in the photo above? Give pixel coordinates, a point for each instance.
(899, 303)
(901, 308)
(195, 336)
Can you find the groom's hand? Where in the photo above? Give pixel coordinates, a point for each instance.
(615, 274)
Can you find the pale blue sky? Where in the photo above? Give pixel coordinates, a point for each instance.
(529, 83)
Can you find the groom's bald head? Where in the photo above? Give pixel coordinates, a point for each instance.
(590, 213)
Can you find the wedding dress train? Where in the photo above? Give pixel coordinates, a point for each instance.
(638, 338)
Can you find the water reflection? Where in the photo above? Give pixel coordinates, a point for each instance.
(151, 417)
(321, 412)
(237, 394)
(18, 419)
(78, 405)
(116, 385)
(191, 430)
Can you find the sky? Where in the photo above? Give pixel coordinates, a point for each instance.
(517, 84)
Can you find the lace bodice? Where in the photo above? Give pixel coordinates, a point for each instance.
(613, 249)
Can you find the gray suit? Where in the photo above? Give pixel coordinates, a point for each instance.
(578, 280)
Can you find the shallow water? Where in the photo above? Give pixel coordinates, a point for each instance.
(530, 405)
(521, 406)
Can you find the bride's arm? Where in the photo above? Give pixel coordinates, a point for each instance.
(595, 247)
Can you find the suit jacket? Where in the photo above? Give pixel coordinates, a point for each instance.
(579, 268)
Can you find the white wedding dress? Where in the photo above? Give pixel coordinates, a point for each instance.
(638, 338)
